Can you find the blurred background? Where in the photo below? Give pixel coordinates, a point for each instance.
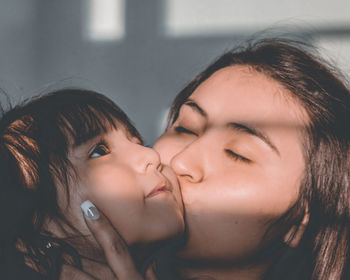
(141, 53)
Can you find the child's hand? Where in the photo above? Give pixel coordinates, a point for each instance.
(115, 249)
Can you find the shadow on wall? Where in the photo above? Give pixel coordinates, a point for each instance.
(141, 54)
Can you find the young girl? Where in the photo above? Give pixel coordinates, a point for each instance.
(70, 148)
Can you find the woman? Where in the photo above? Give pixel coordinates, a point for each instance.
(260, 144)
(68, 149)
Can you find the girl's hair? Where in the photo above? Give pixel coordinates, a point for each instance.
(35, 138)
(323, 252)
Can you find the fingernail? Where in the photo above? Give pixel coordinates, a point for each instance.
(89, 209)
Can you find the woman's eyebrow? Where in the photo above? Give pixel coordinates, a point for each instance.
(237, 126)
(196, 108)
(254, 132)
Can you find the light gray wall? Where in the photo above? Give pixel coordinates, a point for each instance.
(43, 47)
(18, 51)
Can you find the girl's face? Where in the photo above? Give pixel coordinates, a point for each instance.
(127, 182)
(236, 148)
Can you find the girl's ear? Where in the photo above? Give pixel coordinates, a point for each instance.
(293, 236)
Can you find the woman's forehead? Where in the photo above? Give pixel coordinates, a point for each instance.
(238, 97)
(240, 92)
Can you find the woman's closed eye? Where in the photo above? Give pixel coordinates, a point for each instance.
(237, 157)
(99, 150)
(180, 129)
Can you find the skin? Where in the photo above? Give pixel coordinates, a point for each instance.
(235, 183)
(120, 176)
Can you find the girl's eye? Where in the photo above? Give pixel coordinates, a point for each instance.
(99, 151)
(181, 129)
(237, 157)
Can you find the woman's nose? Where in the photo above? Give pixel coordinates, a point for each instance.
(187, 164)
(145, 159)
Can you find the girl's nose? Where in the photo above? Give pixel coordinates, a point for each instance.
(145, 159)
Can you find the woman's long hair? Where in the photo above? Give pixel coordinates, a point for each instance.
(323, 252)
(35, 138)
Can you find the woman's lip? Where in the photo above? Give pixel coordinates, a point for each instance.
(158, 190)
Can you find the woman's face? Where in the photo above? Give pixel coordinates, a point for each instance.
(127, 182)
(236, 148)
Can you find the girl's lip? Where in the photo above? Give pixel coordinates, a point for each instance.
(160, 188)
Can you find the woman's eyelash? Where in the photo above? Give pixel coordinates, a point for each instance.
(235, 156)
(181, 129)
(100, 149)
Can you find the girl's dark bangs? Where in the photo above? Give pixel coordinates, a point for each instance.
(82, 122)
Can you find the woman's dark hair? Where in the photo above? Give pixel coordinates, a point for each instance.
(35, 138)
(323, 252)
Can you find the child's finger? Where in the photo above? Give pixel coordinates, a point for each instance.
(115, 249)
